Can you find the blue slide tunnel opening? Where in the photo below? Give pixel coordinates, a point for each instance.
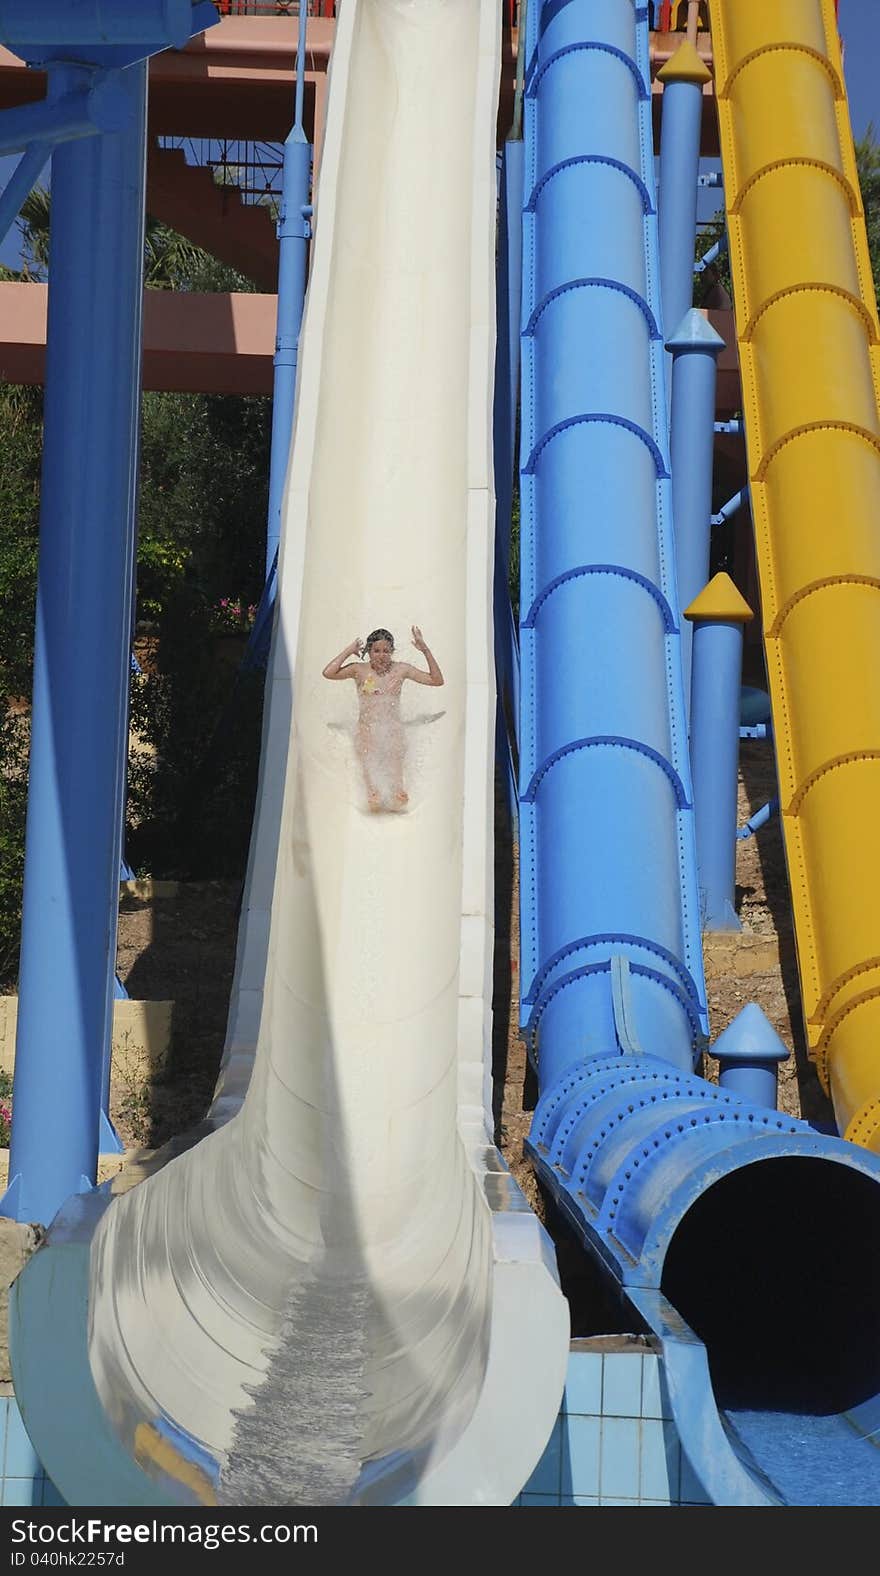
(782, 1296)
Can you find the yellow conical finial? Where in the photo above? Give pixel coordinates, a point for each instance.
(720, 600)
(685, 66)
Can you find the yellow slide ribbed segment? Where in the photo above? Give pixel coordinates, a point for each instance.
(809, 344)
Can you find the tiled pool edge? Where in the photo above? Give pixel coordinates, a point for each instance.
(614, 1442)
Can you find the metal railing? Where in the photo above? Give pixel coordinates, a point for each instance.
(274, 7)
(670, 16)
(325, 8)
(251, 169)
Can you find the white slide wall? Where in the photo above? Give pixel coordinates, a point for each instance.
(339, 1293)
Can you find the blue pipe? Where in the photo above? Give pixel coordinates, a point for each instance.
(683, 78)
(695, 349)
(294, 230)
(678, 1186)
(610, 944)
(81, 662)
(718, 644)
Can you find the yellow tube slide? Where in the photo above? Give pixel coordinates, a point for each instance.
(809, 346)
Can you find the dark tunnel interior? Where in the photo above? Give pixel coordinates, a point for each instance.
(777, 1269)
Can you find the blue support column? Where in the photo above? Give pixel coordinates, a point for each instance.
(683, 78)
(718, 615)
(81, 662)
(294, 231)
(695, 349)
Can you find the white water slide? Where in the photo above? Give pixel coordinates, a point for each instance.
(334, 1291)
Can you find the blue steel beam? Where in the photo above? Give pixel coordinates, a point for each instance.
(21, 182)
(116, 31)
(80, 103)
(610, 941)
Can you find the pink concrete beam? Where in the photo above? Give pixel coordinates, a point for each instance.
(210, 344)
(223, 344)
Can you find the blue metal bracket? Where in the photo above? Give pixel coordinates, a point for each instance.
(109, 1142)
(713, 254)
(760, 817)
(622, 1007)
(732, 507)
(81, 101)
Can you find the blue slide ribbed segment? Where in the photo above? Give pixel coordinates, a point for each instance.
(611, 956)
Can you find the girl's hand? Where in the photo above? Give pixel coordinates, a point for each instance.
(356, 648)
(418, 642)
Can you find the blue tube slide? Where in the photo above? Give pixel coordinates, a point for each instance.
(741, 1239)
(611, 952)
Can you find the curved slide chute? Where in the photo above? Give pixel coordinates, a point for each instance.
(741, 1239)
(809, 347)
(330, 1293)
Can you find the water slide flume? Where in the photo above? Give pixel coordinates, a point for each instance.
(328, 1298)
(740, 1239)
(809, 345)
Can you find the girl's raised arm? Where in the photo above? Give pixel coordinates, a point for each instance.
(336, 669)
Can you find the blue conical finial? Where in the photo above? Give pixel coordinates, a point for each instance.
(695, 332)
(748, 1052)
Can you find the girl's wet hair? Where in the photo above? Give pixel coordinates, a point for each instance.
(379, 634)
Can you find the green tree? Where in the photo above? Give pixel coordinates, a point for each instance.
(868, 165)
(171, 261)
(20, 450)
(719, 272)
(202, 521)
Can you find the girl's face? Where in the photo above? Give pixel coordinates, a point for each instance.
(381, 653)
